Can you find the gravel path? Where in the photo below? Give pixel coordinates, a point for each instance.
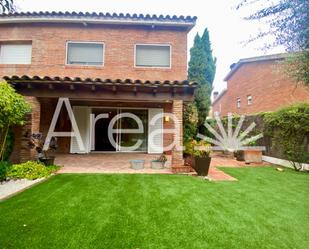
(13, 187)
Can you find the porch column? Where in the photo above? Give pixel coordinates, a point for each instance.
(177, 155)
(32, 125)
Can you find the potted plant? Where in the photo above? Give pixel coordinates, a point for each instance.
(200, 152)
(37, 142)
(159, 162)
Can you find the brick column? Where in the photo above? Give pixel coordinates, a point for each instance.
(32, 125)
(177, 155)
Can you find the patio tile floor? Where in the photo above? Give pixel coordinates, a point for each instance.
(120, 163)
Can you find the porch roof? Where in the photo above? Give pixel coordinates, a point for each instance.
(98, 81)
(48, 86)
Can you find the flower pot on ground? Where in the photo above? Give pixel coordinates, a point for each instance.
(239, 155)
(159, 162)
(137, 164)
(200, 152)
(253, 156)
(45, 156)
(47, 161)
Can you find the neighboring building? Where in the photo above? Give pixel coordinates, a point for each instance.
(258, 84)
(104, 63)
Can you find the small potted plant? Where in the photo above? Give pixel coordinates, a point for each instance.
(45, 156)
(159, 162)
(200, 152)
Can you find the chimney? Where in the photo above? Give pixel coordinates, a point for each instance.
(215, 94)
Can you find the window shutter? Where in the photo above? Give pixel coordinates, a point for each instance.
(152, 56)
(158, 125)
(85, 53)
(15, 53)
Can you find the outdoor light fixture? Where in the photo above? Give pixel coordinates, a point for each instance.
(166, 118)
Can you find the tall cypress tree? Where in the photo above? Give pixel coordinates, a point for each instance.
(202, 69)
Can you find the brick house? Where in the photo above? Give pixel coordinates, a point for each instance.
(104, 63)
(258, 84)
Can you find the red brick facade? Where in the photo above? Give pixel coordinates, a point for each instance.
(267, 84)
(49, 59)
(49, 51)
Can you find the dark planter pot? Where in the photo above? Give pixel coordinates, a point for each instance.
(201, 165)
(240, 155)
(47, 160)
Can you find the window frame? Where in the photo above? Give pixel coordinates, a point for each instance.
(153, 44)
(238, 100)
(85, 42)
(18, 42)
(251, 99)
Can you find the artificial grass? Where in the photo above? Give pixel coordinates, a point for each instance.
(264, 209)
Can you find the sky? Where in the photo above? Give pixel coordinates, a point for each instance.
(227, 28)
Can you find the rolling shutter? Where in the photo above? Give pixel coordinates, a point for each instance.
(152, 56)
(15, 53)
(82, 117)
(157, 126)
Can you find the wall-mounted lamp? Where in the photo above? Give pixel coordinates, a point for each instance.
(167, 118)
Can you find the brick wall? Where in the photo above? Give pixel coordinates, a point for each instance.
(268, 85)
(49, 51)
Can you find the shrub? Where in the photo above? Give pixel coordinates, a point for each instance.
(30, 170)
(4, 167)
(289, 129)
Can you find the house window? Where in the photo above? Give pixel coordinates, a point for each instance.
(238, 103)
(249, 100)
(15, 53)
(85, 53)
(153, 56)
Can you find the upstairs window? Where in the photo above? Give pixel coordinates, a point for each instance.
(15, 53)
(238, 103)
(249, 100)
(153, 56)
(85, 53)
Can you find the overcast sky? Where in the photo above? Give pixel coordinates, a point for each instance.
(227, 28)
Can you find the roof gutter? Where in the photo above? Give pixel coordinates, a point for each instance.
(188, 25)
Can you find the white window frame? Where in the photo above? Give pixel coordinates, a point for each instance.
(249, 99)
(153, 44)
(86, 42)
(238, 103)
(18, 43)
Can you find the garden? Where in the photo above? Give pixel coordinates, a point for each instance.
(265, 208)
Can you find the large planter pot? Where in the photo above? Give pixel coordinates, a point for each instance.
(137, 164)
(253, 156)
(157, 164)
(47, 160)
(201, 165)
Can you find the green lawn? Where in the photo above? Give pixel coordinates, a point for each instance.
(264, 209)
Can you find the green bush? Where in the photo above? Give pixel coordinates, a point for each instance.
(289, 129)
(4, 167)
(30, 170)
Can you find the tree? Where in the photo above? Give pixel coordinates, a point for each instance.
(202, 69)
(7, 6)
(288, 22)
(13, 109)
